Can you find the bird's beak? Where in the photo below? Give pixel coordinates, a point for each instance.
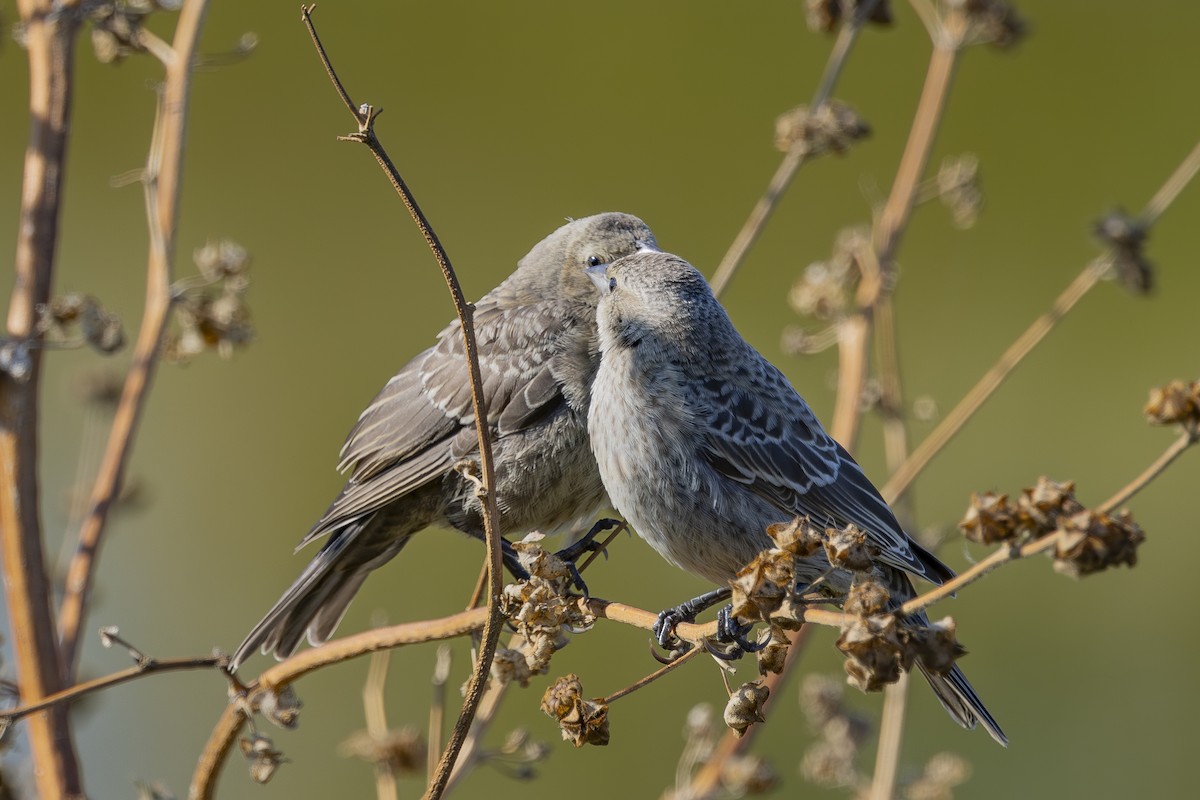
(599, 276)
(647, 247)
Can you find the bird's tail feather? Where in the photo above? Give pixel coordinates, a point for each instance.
(316, 602)
(960, 701)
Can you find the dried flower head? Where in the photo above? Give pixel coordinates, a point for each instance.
(943, 773)
(745, 706)
(831, 760)
(510, 666)
(760, 587)
(773, 657)
(1175, 403)
(1091, 541)
(832, 128)
(825, 15)
(401, 750)
(210, 309)
(281, 707)
(264, 759)
(849, 548)
(800, 537)
(1040, 506)
(1125, 239)
(993, 22)
(15, 360)
(62, 315)
(959, 188)
(934, 645)
(989, 519)
(582, 721)
(874, 647)
(539, 607)
(743, 775)
(866, 597)
(825, 288)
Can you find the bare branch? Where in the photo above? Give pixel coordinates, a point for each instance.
(50, 42)
(995, 376)
(162, 180)
(794, 158)
(365, 117)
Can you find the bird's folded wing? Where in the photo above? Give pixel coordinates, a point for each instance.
(763, 435)
(422, 422)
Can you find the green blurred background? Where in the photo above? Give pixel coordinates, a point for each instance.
(506, 118)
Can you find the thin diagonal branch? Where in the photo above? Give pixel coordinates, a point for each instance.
(163, 179)
(794, 158)
(1091, 274)
(1188, 438)
(149, 667)
(365, 118)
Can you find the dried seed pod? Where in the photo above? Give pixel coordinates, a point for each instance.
(745, 706)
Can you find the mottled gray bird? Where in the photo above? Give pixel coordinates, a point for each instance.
(702, 444)
(538, 353)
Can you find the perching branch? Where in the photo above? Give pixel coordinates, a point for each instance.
(365, 117)
(464, 623)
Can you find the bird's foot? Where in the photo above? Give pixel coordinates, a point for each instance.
(734, 632)
(586, 544)
(669, 619)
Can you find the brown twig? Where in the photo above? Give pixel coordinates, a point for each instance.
(895, 440)
(148, 667)
(50, 42)
(795, 156)
(854, 332)
(971, 402)
(365, 117)
(375, 714)
(496, 690)
(653, 676)
(339, 650)
(1188, 438)
(437, 708)
(162, 181)
(707, 779)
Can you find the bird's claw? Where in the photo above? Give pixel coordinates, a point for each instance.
(732, 631)
(664, 626)
(587, 543)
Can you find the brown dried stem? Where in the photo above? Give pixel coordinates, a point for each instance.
(148, 667)
(1188, 438)
(854, 333)
(653, 676)
(707, 780)
(895, 440)
(162, 180)
(496, 690)
(365, 117)
(971, 402)
(375, 714)
(794, 158)
(50, 42)
(410, 633)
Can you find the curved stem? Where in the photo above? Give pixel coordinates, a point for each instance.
(163, 178)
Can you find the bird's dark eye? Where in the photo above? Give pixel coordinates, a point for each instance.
(612, 284)
(594, 261)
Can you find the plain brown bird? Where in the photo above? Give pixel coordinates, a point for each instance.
(538, 353)
(702, 443)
